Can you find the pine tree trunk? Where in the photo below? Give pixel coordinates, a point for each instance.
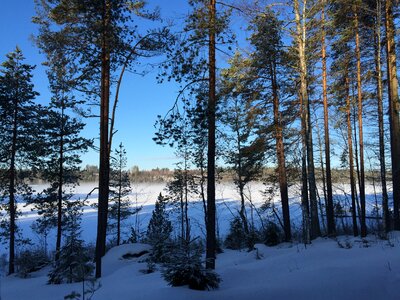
(393, 109)
(60, 185)
(329, 201)
(104, 170)
(280, 154)
(321, 160)
(305, 206)
(12, 177)
(351, 157)
(301, 38)
(119, 201)
(360, 126)
(211, 239)
(379, 91)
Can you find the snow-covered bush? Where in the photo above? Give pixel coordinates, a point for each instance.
(271, 234)
(29, 261)
(186, 268)
(236, 238)
(74, 264)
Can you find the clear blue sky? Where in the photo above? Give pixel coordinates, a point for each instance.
(141, 99)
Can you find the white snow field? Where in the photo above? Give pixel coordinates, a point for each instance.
(370, 269)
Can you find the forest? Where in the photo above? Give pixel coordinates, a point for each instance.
(293, 106)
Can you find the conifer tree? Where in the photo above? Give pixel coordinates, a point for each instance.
(268, 60)
(302, 14)
(205, 28)
(74, 262)
(120, 188)
(244, 142)
(159, 230)
(394, 108)
(97, 37)
(19, 139)
(63, 149)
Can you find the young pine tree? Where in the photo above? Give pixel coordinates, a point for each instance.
(120, 188)
(74, 263)
(63, 149)
(159, 230)
(19, 140)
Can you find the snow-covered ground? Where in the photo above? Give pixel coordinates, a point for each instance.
(370, 269)
(144, 195)
(320, 271)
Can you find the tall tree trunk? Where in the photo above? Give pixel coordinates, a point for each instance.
(305, 206)
(60, 184)
(242, 212)
(351, 157)
(393, 109)
(356, 156)
(187, 222)
(301, 39)
(321, 160)
(280, 154)
(329, 201)
(119, 201)
(211, 239)
(379, 91)
(12, 177)
(104, 170)
(360, 125)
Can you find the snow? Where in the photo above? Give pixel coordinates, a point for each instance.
(322, 270)
(370, 269)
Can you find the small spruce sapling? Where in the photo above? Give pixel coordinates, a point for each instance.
(186, 268)
(74, 263)
(159, 230)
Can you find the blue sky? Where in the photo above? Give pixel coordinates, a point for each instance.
(141, 99)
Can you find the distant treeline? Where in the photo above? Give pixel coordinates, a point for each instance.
(91, 172)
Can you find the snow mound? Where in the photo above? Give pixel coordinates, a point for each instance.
(345, 268)
(123, 256)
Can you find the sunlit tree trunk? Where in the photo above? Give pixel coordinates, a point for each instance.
(360, 124)
(329, 201)
(393, 109)
(211, 238)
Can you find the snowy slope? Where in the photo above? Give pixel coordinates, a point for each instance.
(323, 270)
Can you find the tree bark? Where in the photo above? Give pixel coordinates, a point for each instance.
(280, 154)
(379, 91)
(351, 157)
(211, 238)
(12, 174)
(329, 201)
(60, 184)
(104, 170)
(305, 205)
(301, 39)
(393, 109)
(360, 125)
(119, 199)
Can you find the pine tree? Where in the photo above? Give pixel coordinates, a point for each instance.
(159, 230)
(74, 263)
(19, 138)
(120, 188)
(394, 108)
(244, 143)
(97, 38)
(64, 147)
(301, 17)
(268, 64)
(330, 216)
(205, 28)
